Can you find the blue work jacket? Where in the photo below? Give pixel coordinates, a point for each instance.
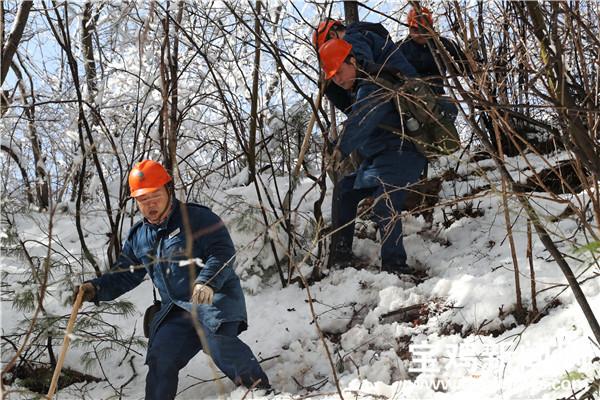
(372, 108)
(422, 57)
(161, 251)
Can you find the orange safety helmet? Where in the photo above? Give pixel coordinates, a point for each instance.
(320, 35)
(424, 18)
(333, 53)
(147, 176)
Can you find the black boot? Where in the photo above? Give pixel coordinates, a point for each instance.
(405, 273)
(341, 258)
(398, 269)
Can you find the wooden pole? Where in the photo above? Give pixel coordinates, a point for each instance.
(66, 341)
(309, 128)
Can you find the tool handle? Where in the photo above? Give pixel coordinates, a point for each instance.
(66, 341)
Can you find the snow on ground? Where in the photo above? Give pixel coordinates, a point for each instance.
(468, 346)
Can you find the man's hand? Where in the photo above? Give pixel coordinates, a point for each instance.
(89, 291)
(203, 294)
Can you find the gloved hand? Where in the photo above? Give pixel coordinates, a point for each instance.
(89, 291)
(203, 294)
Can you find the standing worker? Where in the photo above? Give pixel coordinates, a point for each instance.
(422, 53)
(391, 163)
(160, 246)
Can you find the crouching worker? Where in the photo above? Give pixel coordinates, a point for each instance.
(169, 232)
(391, 161)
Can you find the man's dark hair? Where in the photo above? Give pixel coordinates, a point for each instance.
(338, 27)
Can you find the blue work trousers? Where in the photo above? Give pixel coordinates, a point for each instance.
(176, 342)
(389, 201)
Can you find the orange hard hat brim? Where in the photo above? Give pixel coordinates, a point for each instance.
(331, 74)
(143, 191)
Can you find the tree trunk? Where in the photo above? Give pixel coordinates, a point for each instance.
(174, 84)
(89, 65)
(351, 11)
(17, 160)
(164, 92)
(255, 95)
(10, 46)
(2, 25)
(41, 181)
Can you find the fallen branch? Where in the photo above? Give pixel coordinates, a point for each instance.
(404, 314)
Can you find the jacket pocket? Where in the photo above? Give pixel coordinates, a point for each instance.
(174, 250)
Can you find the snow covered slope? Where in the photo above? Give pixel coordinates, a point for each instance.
(461, 342)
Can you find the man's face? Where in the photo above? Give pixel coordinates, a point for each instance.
(345, 75)
(154, 206)
(419, 35)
